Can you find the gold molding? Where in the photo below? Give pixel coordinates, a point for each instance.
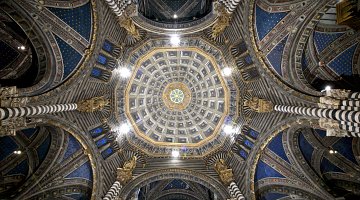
(168, 144)
(167, 96)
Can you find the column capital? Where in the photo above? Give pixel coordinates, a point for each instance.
(338, 93)
(124, 174)
(225, 173)
(259, 105)
(93, 104)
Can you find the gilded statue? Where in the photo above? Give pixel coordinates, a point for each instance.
(225, 174)
(222, 22)
(93, 104)
(259, 105)
(124, 174)
(127, 23)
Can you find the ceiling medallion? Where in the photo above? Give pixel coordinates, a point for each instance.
(176, 96)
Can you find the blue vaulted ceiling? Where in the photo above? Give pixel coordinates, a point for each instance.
(324, 39)
(276, 146)
(276, 54)
(177, 184)
(343, 63)
(263, 171)
(265, 21)
(77, 18)
(39, 145)
(70, 56)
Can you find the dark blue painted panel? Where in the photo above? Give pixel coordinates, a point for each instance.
(277, 147)
(7, 147)
(77, 18)
(272, 196)
(243, 154)
(70, 57)
(321, 133)
(275, 56)
(327, 166)
(322, 40)
(107, 152)
(342, 64)
(20, 169)
(96, 72)
(30, 132)
(265, 171)
(43, 149)
(176, 184)
(266, 21)
(84, 171)
(306, 148)
(101, 142)
(7, 55)
(344, 147)
(72, 147)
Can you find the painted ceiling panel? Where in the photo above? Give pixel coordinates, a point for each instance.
(43, 149)
(265, 171)
(266, 21)
(176, 184)
(8, 54)
(84, 171)
(342, 64)
(30, 132)
(73, 146)
(306, 148)
(272, 196)
(322, 40)
(20, 169)
(77, 18)
(7, 146)
(277, 147)
(344, 147)
(70, 57)
(327, 166)
(275, 56)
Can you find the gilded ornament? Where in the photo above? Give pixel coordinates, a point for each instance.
(124, 174)
(222, 22)
(176, 96)
(259, 105)
(127, 23)
(225, 174)
(93, 104)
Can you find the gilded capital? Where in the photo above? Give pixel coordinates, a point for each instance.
(127, 23)
(259, 105)
(225, 174)
(124, 174)
(223, 21)
(93, 104)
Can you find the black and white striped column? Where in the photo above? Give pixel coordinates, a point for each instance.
(113, 191)
(118, 6)
(230, 5)
(336, 114)
(235, 192)
(6, 113)
(354, 95)
(352, 128)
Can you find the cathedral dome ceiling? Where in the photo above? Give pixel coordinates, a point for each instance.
(178, 96)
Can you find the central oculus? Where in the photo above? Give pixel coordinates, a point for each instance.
(176, 96)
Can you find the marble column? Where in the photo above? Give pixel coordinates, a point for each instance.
(235, 192)
(113, 192)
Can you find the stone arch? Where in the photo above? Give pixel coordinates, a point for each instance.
(184, 174)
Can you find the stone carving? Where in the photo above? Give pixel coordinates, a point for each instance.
(222, 22)
(338, 93)
(124, 174)
(225, 174)
(93, 104)
(332, 127)
(127, 23)
(259, 105)
(8, 127)
(9, 97)
(329, 101)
